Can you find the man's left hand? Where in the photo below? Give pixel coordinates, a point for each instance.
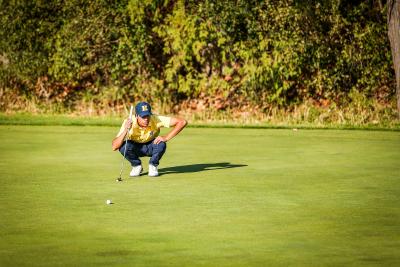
(160, 139)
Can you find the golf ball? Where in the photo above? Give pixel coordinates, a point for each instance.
(108, 201)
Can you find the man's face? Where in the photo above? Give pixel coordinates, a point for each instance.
(143, 121)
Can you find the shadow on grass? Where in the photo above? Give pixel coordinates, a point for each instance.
(199, 167)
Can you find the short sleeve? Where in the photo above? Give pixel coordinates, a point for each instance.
(164, 121)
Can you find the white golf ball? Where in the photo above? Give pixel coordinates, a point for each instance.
(108, 201)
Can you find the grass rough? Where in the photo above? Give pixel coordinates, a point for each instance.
(72, 120)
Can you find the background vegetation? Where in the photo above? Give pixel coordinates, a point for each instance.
(315, 61)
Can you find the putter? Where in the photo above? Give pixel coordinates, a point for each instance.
(119, 179)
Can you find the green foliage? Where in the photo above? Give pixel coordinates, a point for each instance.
(262, 53)
(25, 28)
(92, 48)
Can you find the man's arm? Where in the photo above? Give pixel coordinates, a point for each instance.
(119, 140)
(178, 125)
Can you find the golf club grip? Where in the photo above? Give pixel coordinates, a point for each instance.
(130, 117)
(131, 112)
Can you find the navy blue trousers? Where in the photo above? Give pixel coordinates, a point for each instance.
(136, 150)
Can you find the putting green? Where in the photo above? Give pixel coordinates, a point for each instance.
(225, 197)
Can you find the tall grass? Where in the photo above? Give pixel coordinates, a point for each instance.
(358, 112)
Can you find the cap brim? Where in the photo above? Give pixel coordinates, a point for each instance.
(144, 114)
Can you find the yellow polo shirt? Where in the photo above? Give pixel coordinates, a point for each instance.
(143, 135)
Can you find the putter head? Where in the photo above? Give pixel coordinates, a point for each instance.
(119, 179)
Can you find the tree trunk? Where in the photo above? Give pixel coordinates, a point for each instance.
(394, 38)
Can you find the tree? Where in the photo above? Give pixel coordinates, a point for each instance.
(394, 37)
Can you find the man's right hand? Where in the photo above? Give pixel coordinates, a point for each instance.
(119, 140)
(128, 124)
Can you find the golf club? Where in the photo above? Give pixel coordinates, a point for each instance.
(119, 179)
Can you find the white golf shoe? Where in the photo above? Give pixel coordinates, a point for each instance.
(153, 172)
(136, 170)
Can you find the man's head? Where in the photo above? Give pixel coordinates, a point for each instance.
(143, 109)
(143, 112)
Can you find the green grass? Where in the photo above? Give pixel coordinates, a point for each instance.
(58, 119)
(115, 120)
(226, 197)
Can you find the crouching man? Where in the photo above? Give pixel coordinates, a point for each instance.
(143, 137)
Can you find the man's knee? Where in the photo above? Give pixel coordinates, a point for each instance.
(122, 148)
(162, 146)
(127, 148)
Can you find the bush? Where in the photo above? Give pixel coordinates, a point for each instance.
(230, 54)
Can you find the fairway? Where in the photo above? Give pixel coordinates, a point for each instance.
(225, 197)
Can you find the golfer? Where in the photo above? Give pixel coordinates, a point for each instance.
(143, 138)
